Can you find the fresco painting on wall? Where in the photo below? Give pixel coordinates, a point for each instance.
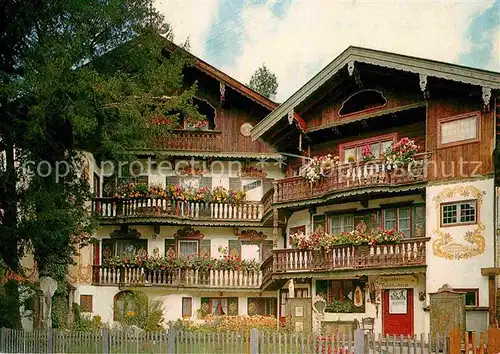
(445, 246)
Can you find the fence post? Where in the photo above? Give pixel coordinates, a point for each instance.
(50, 348)
(105, 340)
(2, 340)
(359, 342)
(254, 341)
(171, 341)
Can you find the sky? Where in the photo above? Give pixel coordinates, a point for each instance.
(297, 38)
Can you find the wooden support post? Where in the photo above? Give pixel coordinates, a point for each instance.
(492, 311)
(275, 227)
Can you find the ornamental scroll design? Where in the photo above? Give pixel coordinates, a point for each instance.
(251, 236)
(188, 233)
(445, 246)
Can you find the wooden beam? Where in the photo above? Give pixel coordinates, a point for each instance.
(492, 311)
(487, 272)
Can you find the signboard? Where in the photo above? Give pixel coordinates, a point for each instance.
(398, 301)
(397, 281)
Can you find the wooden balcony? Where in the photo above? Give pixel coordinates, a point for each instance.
(189, 278)
(408, 253)
(191, 140)
(350, 176)
(116, 208)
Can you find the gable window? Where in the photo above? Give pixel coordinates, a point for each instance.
(352, 151)
(460, 129)
(457, 213)
(341, 223)
(188, 248)
(398, 219)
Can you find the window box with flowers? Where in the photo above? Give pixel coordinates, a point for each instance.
(192, 124)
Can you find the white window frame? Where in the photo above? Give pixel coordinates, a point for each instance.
(475, 121)
(459, 205)
(189, 241)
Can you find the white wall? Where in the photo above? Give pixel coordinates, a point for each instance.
(460, 271)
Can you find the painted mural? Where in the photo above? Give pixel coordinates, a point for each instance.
(445, 245)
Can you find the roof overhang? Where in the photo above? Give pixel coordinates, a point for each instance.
(430, 68)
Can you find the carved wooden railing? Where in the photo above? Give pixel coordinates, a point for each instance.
(410, 252)
(350, 176)
(267, 201)
(194, 140)
(108, 208)
(138, 276)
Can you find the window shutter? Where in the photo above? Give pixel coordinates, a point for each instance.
(170, 248)
(205, 305)
(205, 248)
(267, 247)
(235, 248)
(108, 186)
(268, 184)
(232, 306)
(235, 183)
(108, 249)
(173, 180)
(419, 221)
(206, 182)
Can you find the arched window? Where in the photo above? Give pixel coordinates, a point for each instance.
(362, 101)
(125, 306)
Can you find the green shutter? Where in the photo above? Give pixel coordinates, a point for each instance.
(235, 248)
(206, 182)
(205, 306)
(419, 220)
(232, 304)
(170, 248)
(235, 183)
(205, 248)
(108, 249)
(173, 180)
(252, 306)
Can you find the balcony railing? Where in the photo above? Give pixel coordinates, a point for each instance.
(410, 252)
(138, 276)
(350, 176)
(109, 208)
(192, 140)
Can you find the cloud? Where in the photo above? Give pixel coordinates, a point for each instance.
(189, 18)
(296, 39)
(311, 34)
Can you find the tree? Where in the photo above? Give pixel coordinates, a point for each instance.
(76, 76)
(264, 81)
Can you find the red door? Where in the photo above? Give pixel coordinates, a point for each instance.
(397, 312)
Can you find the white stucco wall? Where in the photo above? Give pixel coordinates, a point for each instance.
(464, 272)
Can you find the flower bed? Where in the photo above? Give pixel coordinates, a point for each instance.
(178, 262)
(397, 155)
(359, 236)
(176, 192)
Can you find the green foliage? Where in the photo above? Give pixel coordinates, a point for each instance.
(337, 306)
(139, 310)
(264, 81)
(60, 310)
(86, 323)
(76, 75)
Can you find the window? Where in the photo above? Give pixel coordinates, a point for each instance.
(125, 305)
(190, 182)
(187, 307)
(377, 145)
(123, 247)
(350, 290)
(471, 296)
(219, 306)
(398, 219)
(458, 213)
(341, 223)
(188, 248)
(458, 130)
(262, 306)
